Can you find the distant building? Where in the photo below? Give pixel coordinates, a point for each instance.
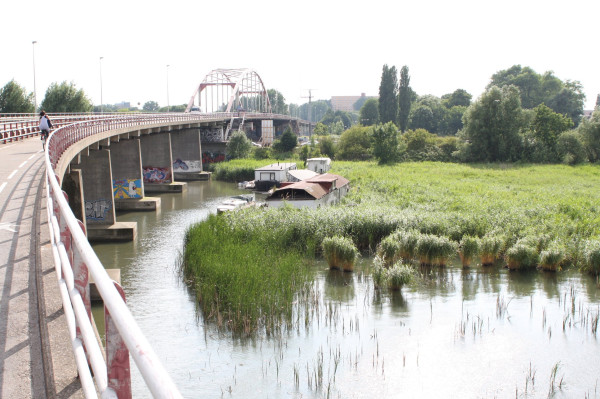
(123, 105)
(272, 175)
(345, 103)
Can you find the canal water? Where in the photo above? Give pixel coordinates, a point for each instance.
(472, 333)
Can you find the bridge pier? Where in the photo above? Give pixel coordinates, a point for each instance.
(186, 148)
(127, 178)
(157, 164)
(99, 201)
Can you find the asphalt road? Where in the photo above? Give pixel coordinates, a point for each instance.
(36, 360)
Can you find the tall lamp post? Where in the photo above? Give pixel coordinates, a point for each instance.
(168, 105)
(34, 91)
(101, 102)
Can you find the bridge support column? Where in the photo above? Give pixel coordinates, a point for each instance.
(99, 202)
(157, 164)
(127, 178)
(186, 147)
(73, 186)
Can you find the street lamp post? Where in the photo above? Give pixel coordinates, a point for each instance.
(168, 105)
(101, 101)
(34, 90)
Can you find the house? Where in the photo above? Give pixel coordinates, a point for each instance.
(318, 165)
(321, 190)
(272, 175)
(301, 174)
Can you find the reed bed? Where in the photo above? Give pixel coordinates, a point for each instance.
(427, 211)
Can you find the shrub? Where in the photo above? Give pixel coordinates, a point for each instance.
(551, 257)
(591, 257)
(467, 249)
(490, 248)
(522, 256)
(434, 250)
(340, 252)
(399, 275)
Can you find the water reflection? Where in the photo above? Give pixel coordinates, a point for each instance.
(438, 337)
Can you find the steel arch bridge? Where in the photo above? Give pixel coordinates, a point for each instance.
(230, 90)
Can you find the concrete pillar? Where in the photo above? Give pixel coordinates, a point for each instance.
(157, 164)
(96, 176)
(97, 188)
(73, 186)
(186, 148)
(128, 180)
(126, 164)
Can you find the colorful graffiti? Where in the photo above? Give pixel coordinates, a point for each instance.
(212, 157)
(127, 188)
(97, 210)
(156, 175)
(187, 166)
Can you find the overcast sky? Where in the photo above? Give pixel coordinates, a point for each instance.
(333, 47)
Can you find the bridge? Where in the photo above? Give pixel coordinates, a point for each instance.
(53, 203)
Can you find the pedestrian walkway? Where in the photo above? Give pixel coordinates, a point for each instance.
(36, 360)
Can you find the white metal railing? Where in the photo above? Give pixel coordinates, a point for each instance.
(75, 261)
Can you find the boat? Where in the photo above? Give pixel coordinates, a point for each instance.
(236, 202)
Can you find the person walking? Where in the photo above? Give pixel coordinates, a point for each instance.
(45, 126)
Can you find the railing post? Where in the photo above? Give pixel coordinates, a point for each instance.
(117, 355)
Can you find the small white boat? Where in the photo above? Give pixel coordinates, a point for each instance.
(237, 202)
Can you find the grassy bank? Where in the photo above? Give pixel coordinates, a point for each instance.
(542, 207)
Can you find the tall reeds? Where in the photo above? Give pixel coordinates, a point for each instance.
(340, 253)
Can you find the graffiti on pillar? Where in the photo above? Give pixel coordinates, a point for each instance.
(127, 188)
(97, 210)
(156, 175)
(187, 166)
(212, 157)
(212, 135)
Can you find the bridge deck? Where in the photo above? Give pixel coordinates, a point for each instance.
(36, 359)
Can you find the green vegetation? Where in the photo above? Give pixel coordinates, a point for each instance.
(468, 248)
(243, 282)
(394, 277)
(15, 99)
(65, 97)
(523, 215)
(340, 253)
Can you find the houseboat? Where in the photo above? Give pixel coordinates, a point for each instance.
(320, 190)
(272, 175)
(318, 165)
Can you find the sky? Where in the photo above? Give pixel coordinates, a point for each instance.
(334, 48)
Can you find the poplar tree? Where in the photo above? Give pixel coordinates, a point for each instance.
(388, 95)
(404, 99)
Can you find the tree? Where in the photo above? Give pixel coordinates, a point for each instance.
(369, 113)
(321, 129)
(547, 125)
(597, 107)
(331, 117)
(238, 145)
(458, 97)
(569, 101)
(14, 99)
(492, 125)
(385, 143)
(405, 95)
(358, 104)
(326, 146)
(355, 144)
(277, 100)
(65, 97)
(388, 95)
(452, 121)
(590, 133)
(150, 106)
(422, 118)
(317, 110)
(570, 148)
(287, 142)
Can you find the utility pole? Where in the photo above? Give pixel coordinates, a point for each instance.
(309, 109)
(101, 99)
(34, 90)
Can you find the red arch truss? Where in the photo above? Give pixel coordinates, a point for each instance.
(230, 90)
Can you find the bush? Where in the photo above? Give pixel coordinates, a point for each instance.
(551, 257)
(434, 250)
(399, 275)
(467, 249)
(591, 257)
(570, 148)
(522, 256)
(490, 248)
(340, 252)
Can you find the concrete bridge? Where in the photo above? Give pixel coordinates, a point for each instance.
(93, 165)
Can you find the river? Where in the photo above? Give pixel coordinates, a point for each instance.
(459, 333)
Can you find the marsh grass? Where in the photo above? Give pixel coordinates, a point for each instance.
(468, 248)
(340, 252)
(428, 207)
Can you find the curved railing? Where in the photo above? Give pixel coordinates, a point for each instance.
(74, 258)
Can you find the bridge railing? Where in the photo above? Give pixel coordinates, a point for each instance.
(75, 260)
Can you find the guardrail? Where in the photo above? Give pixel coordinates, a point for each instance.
(75, 260)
